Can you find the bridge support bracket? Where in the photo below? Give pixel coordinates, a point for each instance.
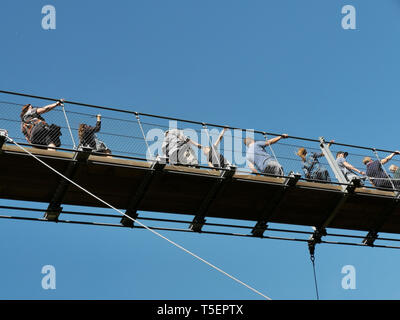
(157, 167)
(3, 137)
(197, 223)
(259, 229)
(349, 189)
(373, 235)
(199, 219)
(262, 224)
(129, 223)
(54, 209)
(370, 238)
(315, 238)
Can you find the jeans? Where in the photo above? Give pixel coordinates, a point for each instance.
(274, 168)
(350, 176)
(321, 174)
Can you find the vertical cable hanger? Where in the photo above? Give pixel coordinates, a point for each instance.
(144, 136)
(213, 152)
(69, 127)
(272, 150)
(311, 248)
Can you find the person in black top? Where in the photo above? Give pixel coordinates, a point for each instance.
(214, 158)
(35, 128)
(88, 138)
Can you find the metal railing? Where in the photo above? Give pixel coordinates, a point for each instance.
(139, 136)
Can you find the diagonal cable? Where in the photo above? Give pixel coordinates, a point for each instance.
(138, 222)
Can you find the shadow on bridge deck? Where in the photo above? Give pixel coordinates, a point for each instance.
(183, 190)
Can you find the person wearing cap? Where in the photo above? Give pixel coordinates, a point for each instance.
(377, 174)
(312, 168)
(35, 128)
(349, 171)
(259, 160)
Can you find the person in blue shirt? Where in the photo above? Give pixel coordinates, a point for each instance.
(312, 168)
(259, 160)
(349, 171)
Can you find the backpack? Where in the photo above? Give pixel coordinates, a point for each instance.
(176, 147)
(28, 126)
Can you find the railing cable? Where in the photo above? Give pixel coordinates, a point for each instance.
(144, 135)
(68, 125)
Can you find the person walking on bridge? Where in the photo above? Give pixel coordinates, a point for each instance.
(259, 160)
(35, 128)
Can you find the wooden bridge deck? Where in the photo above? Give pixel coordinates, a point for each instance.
(182, 190)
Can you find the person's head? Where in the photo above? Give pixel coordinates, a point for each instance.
(25, 109)
(81, 130)
(367, 160)
(393, 168)
(302, 152)
(341, 154)
(248, 141)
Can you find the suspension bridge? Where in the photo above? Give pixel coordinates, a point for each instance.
(136, 181)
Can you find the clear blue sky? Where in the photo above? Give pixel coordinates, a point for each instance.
(281, 66)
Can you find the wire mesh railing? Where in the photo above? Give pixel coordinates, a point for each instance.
(129, 134)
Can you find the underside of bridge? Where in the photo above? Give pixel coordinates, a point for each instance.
(132, 185)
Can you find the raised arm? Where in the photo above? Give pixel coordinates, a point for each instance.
(50, 107)
(98, 123)
(220, 137)
(318, 155)
(276, 139)
(195, 143)
(389, 157)
(351, 167)
(252, 168)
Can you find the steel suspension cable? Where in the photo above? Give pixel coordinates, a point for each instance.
(144, 135)
(141, 224)
(312, 258)
(69, 127)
